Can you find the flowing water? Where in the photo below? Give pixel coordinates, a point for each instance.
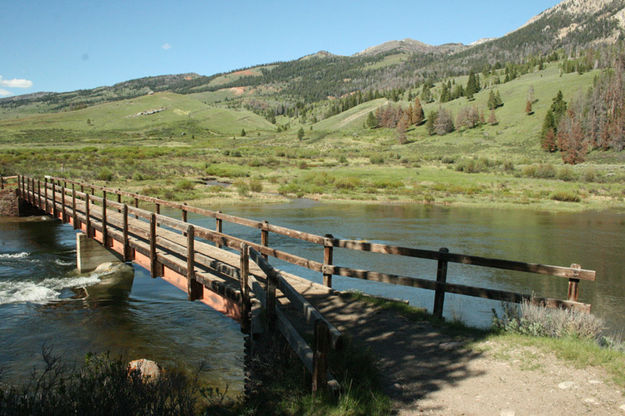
(44, 302)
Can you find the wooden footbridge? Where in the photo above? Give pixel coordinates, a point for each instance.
(234, 276)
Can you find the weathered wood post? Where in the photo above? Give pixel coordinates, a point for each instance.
(157, 208)
(19, 186)
(320, 356)
(39, 193)
(194, 288)
(104, 221)
(1, 182)
(270, 300)
(63, 203)
(153, 271)
(126, 250)
(245, 290)
(264, 236)
(53, 199)
(218, 226)
(573, 292)
(74, 216)
(327, 259)
(184, 213)
(45, 190)
(441, 278)
(88, 214)
(136, 206)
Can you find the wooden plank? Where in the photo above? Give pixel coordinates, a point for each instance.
(307, 310)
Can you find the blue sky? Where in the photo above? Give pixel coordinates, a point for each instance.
(62, 45)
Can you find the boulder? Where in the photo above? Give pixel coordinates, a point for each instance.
(148, 370)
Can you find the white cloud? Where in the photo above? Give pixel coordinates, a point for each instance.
(15, 83)
(5, 93)
(166, 46)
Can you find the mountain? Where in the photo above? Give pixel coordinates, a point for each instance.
(411, 46)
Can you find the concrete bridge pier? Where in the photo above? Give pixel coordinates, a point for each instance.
(90, 254)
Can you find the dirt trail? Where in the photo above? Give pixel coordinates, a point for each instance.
(429, 373)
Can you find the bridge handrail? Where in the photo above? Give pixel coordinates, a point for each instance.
(558, 271)
(326, 335)
(574, 273)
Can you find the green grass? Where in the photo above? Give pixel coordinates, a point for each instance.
(337, 159)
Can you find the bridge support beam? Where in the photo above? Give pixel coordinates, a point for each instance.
(90, 254)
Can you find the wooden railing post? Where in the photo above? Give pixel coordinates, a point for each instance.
(157, 208)
(45, 190)
(126, 252)
(74, 216)
(136, 206)
(194, 288)
(39, 193)
(270, 300)
(441, 278)
(218, 227)
(264, 237)
(320, 356)
(184, 213)
(245, 290)
(327, 259)
(104, 221)
(62, 203)
(88, 214)
(573, 292)
(153, 271)
(1, 182)
(53, 199)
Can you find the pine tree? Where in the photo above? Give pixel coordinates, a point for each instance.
(445, 94)
(548, 133)
(372, 121)
(429, 124)
(300, 133)
(243, 133)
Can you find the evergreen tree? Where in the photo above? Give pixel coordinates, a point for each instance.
(300, 133)
(243, 133)
(445, 94)
(402, 126)
(429, 124)
(473, 85)
(372, 121)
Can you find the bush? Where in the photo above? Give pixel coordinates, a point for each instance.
(536, 320)
(184, 185)
(242, 188)
(102, 386)
(256, 185)
(104, 174)
(542, 171)
(589, 175)
(376, 159)
(565, 196)
(566, 173)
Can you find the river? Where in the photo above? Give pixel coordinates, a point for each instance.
(41, 303)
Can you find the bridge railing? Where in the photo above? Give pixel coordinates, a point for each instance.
(8, 181)
(326, 336)
(328, 269)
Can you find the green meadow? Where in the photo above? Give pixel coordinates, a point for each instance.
(168, 145)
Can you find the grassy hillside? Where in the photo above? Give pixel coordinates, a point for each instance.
(160, 115)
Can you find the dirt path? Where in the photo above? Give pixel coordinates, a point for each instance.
(428, 373)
